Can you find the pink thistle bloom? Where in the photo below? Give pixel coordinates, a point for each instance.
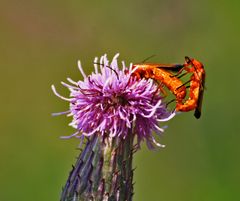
(110, 102)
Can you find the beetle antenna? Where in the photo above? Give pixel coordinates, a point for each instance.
(148, 58)
(109, 68)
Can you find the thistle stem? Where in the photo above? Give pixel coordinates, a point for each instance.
(103, 171)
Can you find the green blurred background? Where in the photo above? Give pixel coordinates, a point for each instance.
(40, 42)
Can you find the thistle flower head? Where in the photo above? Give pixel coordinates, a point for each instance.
(111, 101)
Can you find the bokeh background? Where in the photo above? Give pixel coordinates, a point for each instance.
(40, 42)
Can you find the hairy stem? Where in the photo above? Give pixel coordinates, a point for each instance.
(103, 171)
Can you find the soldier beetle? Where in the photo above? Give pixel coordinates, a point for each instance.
(161, 73)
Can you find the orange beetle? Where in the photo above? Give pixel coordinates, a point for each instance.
(161, 72)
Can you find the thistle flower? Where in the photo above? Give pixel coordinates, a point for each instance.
(110, 107)
(110, 102)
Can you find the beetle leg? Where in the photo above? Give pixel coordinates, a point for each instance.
(184, 84)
